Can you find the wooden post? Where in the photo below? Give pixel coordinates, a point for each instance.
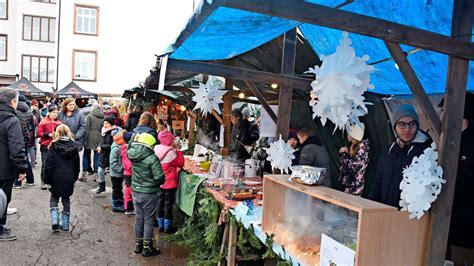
(286, 93)
(229, 85)
(450, 138)
(232, 244)
(415, 86)
(192, 134)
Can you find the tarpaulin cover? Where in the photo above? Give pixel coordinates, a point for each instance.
(227, 33)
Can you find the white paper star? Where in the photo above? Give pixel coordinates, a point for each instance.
(208, 97)
(340, 83)
(280, 155)
(421, 183)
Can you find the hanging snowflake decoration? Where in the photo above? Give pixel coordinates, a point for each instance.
(340, 83)
(208, 97)
(421, 183)
(280, 155)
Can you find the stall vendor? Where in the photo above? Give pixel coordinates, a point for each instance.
(240, 136)
(410, 142)
(313, 152)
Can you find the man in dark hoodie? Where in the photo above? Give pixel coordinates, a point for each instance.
(27, 122)
(133, 118)
(12, 153)
(410, 142)
(313, 152)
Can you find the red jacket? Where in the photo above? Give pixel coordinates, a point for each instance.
(171, 161)
(45, 127)
(126, 163)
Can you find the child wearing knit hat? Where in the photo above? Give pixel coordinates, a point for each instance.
(147, 177)
(172, 160)
(116, 170)
(127, 175)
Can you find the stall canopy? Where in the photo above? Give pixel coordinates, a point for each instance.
(236, 32)
(72, 90)
(25, 87)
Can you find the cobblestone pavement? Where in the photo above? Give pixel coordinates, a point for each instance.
(97, 235)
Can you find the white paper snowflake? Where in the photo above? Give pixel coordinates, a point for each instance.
(340, 83)
(280, 155)
(208, 97)
(421, 183)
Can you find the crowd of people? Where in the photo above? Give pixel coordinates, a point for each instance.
(143, 160)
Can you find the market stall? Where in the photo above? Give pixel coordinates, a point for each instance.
(25, 87)
(72, 90)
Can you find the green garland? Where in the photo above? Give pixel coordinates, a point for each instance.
(202, 234)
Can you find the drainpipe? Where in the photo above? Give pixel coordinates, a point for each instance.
(58, 33)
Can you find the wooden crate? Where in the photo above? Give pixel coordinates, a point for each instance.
(383, 235)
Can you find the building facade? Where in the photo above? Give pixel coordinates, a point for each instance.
(103, 46)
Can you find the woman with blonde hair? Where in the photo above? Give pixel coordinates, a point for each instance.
(61, 171)
(147, 124)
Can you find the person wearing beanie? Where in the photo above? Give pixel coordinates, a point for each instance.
(116, 170)
(127, 175)
(353, 161)
(172, 160)
(461, 232)
(410, 142)
(104, 151)
(45, 131)
(147, 178)
(74, 119)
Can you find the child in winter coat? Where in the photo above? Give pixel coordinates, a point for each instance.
(354, 161)
(127, 175)
(172, 160)
(61, 171)
(116, 170)
(104, 150)
(45, 132)
(147, 177)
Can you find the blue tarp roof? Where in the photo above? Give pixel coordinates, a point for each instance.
(229, 32)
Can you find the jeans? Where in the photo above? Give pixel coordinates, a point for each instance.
(6, 186)
(101, 172)
(30, 177)
(166, 199)
(54, 201)
(145, 207)
(86, 157)
(32, 154)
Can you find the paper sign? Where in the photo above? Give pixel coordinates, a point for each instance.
(221, 137)
(268, 127)
(334, 253)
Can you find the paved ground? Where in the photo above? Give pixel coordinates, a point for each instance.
(97, 235)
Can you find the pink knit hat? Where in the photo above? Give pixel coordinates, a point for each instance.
(166, 138)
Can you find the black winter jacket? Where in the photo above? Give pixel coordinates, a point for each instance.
(132, 121)
(61, 168)
(27, 121)
(461, 232)
(386, 186)
(314, 153)
(12, 147)
(105, 146)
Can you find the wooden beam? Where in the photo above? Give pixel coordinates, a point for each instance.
(415, 86)
(261, 100)
(229, 85)
(239, 73)
(303, 11)
(217, 116)
(286, 92)
(450, 138)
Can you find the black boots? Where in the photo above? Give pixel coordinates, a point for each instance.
(100, 188)
(149, 250)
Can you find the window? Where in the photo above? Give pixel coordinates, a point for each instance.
(42, 29)
(46, 1)
(85, 65)
(86, 20)
(38, 68)
(3, 47)
(3, 9)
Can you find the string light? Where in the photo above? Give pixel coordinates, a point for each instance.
(183, 108)
(274, 85)
(241, 95)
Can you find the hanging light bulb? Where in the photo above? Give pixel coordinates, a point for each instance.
(183, 108)
(241, 95)
(274, 85)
